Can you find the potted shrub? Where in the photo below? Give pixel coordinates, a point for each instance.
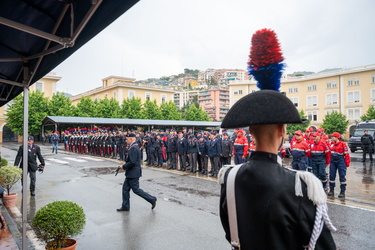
(56, 222)
(9, 175)
(4, 162)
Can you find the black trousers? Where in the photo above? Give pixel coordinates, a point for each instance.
(182, 159)
(32, 180)
(133, 184)
(172, 159)
(367, 149)
(193, 161)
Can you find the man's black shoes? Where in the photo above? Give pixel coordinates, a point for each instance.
(153, 204)
(121, 209)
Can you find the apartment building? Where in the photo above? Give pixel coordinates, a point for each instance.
(181, 98)
(47, 85)
(350, 91)
(121, 88)
(215, 101)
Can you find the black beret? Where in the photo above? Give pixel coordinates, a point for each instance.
(131, 135)
(262, 107)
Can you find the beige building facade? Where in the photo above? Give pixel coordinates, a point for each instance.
(121, 88)
(349, 91)
(47, 85)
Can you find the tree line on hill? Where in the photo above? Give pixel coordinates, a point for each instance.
(60, 105)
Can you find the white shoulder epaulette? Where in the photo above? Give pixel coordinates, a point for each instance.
(223, 170)
(315, 191)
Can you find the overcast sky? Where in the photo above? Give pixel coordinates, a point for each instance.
(162, 37)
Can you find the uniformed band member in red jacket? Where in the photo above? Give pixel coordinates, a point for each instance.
(262, 204)
(320, 158)
(340, 160)
(240, 147)
(300, 150)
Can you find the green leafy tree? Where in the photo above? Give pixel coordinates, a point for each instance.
(85, 108)
(132, 108)
(169, 111)
(14, 115)
(196, 114)
(370, 114)
(291, 128)
(107, 108)
(38, 110)
(151, 110)
(60, 105)
(38, 107)
(335, 122)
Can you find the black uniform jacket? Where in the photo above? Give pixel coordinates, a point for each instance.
(269, 214)
(32, 154)
(226, 147)
(133, 162)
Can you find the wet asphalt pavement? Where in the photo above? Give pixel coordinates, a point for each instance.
(186, 214)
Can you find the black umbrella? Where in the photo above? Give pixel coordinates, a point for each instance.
(38, 35)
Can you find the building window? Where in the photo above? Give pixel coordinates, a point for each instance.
(373, 79)
(114, 95)
(353, 96)
(238, 91)
(295, 89)
(295, 100)
(331, 99)
(131, 94)
(350, 82)
(148, 96)
(334, 84)
(290, 89)
(39, 86)
(311, 87)
(312, 115)
(354, 113)
(356, 81)
(372, 95)
(312, 100)
(163, 98)
(329, 85)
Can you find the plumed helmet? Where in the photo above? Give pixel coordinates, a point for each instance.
(267, 106)
(262, 107)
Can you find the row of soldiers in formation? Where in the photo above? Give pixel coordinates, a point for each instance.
(314, 152)
(180, 150)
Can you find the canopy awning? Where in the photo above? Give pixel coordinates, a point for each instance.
(37, 35)
(77, 121)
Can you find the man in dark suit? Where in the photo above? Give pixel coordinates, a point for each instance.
(214, 151)
(34, 151)
(226, 150)
(132, 174)
(182, 149)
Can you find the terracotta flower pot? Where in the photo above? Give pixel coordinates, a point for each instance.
(70, 244)
(9, 200)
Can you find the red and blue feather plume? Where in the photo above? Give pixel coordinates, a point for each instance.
(265, 60)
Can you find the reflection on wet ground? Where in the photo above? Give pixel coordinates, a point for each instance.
(360, 179)
(360, 183)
